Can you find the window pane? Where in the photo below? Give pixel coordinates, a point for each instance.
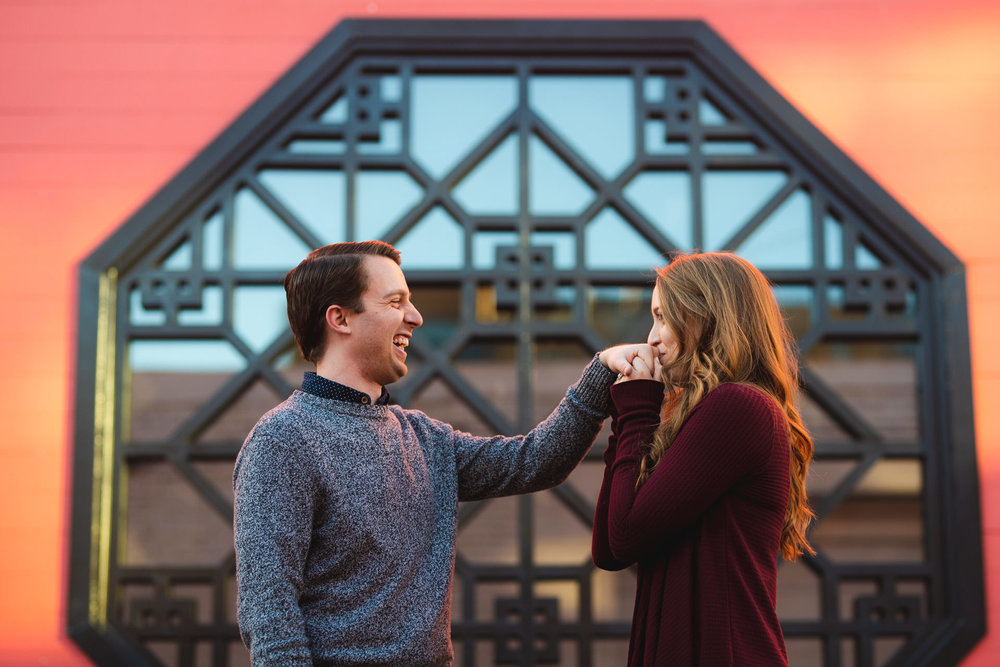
(259, 314)
(383, 197)
(191, 533)
(881, 521)
(169, 380)
(612, 243)
(594, 114)
(796, 303)
(563, 245)
(316, 198)
(390, 139)
(491, 188)
(784, 239)
(878, 381)
(555, 188)
(659, 142)
(490, 367)
(731, 198)
(435, 242)
(620, 314)
(261, 240)
(664, 198)
(210, 313)
(453, 113)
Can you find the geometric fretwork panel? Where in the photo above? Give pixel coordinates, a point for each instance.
(529, 190)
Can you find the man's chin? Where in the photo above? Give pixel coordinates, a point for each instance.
(398, 372)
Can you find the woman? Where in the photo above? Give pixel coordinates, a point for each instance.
(705, 471)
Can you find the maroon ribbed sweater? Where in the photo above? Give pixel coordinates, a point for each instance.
(704, 528)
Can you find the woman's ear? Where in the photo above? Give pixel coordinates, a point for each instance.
(338, 320)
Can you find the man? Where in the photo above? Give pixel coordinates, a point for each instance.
(346, 506)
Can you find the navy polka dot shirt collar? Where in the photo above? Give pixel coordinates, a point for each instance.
(325, 388)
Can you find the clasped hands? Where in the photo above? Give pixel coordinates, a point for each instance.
(633, 361)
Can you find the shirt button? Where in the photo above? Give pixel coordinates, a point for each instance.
(366, 400)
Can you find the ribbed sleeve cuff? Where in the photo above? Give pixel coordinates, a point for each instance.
(634, 393)
(593, 387)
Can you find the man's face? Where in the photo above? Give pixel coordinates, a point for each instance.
(381, 333)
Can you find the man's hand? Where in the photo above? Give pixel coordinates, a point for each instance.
(621, 358)
(643, 371)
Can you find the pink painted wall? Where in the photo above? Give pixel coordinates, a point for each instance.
(102, 102)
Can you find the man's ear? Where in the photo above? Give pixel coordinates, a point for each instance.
(337, 319)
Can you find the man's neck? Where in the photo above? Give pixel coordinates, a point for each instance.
(348, 376)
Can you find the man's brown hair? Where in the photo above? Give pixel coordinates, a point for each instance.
(329, 276)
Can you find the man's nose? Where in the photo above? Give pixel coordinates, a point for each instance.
(414, 317)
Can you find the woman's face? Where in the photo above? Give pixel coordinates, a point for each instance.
(661, 336)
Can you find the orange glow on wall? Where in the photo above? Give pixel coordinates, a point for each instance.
(105, 101)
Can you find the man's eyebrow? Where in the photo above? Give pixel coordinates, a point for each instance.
(397, 292)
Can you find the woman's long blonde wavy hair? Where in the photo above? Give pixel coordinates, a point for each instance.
(729, 328)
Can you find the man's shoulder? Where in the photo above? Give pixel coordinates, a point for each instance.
(290, 413)
(416, 418)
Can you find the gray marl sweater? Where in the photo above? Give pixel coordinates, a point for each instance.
(345, 521)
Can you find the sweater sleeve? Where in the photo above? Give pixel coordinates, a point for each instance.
(273, 512)
(651, 393)
(499, 466)
(728, 435)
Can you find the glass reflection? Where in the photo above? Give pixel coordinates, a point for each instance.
(555, 188)
(796, 302)
(594, 114)
(658, 140)
(139, 316)
(316, 198)
(491, 188)
(436, 242)
(612, 243)
(382, 198)
(451, 114)
(211, 243)
(620, 314)
(259, 314)
(489, 366)
(166, 381)
(192, 533)
(179, 259)
(390, 139)
(729, 148)
(441, 308)
(731, 198)
(664, 198)
(261, 240)
(210, 313)
(336, 113)
(317, 147)
(881, 521)
(709, 114)
(558, 364)
(877, 380)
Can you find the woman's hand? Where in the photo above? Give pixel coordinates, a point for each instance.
(643, 370)
(621, 359)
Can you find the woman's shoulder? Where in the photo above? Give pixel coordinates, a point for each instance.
(741, 397)
(740, 391)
